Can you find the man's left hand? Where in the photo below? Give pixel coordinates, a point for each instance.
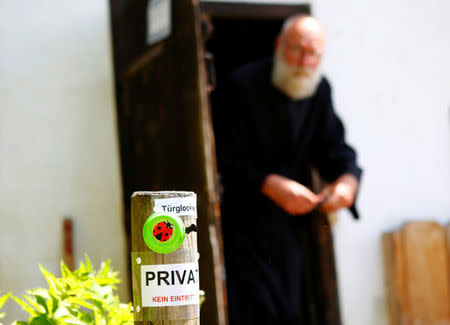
(340, 194)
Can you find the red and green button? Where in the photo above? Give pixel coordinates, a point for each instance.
(164, 232)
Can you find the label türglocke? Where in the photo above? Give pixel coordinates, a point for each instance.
(178, 205)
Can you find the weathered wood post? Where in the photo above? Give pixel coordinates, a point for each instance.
(165, 276)
(68, 243)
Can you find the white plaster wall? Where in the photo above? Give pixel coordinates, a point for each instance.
(58, 139)
(389, 63)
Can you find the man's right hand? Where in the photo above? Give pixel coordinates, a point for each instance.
(291, 196)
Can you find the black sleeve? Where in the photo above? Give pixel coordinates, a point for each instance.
(232, 124)
(330, 152)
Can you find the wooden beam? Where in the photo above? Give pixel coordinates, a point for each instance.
(143, 60)
(428, 273)
(251, 10)
(68, 243)
(395, 278)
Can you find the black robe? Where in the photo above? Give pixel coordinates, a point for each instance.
(260, 131)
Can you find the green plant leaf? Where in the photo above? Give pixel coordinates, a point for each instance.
(55, 303)
(19, 323)
(73, 322)
(81, 302)
(98, 318)
(41, 301)
(39, 291)
(89, 266)
(65, 272)
(99, 304)
(80, 297)
(4, 298)
(29, 309)
(34, 304)
(104, 268)
(82, 268)
(202, 297)
(71, 310)
(86, 318)
(51, 279)
(42, 320)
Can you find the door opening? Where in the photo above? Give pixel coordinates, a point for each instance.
(239, 34)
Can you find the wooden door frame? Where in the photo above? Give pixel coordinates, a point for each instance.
(251, 10)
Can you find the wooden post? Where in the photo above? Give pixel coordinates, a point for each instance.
(68, 243)
(159, 279)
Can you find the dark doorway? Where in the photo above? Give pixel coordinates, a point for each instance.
(242, 33)
(239, 34)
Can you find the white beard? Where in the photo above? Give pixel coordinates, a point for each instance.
(297, 83)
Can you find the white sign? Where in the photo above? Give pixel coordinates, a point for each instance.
(170, 285)
(181, 206)
(158, 20)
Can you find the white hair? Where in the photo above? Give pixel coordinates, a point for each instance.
(291, 21)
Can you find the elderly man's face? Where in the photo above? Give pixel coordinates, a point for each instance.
(296, 71)
(302, 45)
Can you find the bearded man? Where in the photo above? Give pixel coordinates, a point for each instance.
(277, 119)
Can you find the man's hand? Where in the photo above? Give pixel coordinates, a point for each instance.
(340, 194)
(291, 196)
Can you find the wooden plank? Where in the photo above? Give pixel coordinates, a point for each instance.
(144, 60)
(426, 257)
(319, 280)
(251, 10)
(212, 202)
(448, 242)
(395, 278)
(323, 297)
